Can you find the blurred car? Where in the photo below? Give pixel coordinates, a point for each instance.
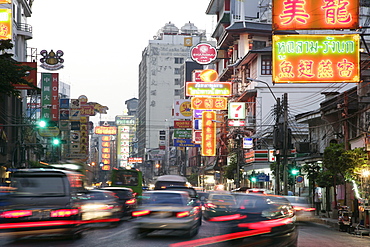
(301, 205)
(218, 204)
(42, 202)
(126, 199)
(167, 210)
(203, 197)
(256, 190)
(261, 220)
(100, 206)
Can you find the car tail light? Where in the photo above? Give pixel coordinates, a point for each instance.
(140, 213)
(228, 217)
(130, 202)
(63, 212)
(135, 194)
(182, 214)
(16, 214)
(210, 205)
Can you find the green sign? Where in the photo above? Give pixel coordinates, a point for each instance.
(179, 133)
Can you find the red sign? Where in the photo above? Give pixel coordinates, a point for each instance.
(316, 58)
(55, 97)
(309, 14)
(208, 133)
(31, 77)
(135, 160)
(182, 124)
(203, 53)
(87, 110)
(236, 123)
(209, 103)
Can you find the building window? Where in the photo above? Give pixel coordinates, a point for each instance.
(179, 60)
(177, 71)
(177, 81)
(177, 92)
(266, 65)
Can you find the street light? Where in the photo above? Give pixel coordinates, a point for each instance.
(256, 80)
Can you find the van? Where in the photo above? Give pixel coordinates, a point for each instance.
(170, 180)
(44, 201)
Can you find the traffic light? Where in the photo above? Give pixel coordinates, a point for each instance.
(294, 171)
(42, 123)
(253, 179)
(56, 141)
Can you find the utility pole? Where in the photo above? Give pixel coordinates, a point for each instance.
(285, 144)
(277, 148)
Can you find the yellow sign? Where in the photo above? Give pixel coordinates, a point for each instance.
(49, 132)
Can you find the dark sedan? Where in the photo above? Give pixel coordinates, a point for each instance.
(126, 199)
(260, 220)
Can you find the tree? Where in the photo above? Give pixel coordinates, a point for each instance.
(11, 72)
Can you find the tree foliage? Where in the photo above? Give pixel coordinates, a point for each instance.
(11, 72)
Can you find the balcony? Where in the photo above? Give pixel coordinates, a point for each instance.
(24, 29)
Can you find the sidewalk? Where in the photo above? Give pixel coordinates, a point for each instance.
(333, 223)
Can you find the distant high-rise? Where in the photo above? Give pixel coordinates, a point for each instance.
(160, 75)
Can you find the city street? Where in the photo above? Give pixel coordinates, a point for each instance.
(310, 234)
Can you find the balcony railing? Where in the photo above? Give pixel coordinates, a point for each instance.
(24, 27)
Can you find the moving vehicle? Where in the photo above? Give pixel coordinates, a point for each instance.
(128, 178)
(219, 203)
(100, 206)
(262, 220)
(304, 210)
(44, 201)
(126, 199)
(167, 210)
(170, 180)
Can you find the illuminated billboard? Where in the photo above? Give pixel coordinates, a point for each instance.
(5, 24)
(320, 14)
(209, 103)
(316, 58)
(208, 89)
(208, 133)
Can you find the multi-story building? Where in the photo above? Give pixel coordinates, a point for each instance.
(12, 109)
(159, 80)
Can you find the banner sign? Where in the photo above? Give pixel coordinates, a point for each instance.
(209, 133)
(316, 58)
(102, 130)
(209, 103)
(135, 160)
(308, 14)
(180, 133)
(31, 77)
(182, 124)
(182, 109)
(184, 143)
(208, 89)
(6, 21)
(50, 96)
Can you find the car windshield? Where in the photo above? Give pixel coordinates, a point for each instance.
(163, 198)
(122, 194)
(223, 197)
(39, 186)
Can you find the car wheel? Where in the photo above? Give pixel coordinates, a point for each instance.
(192, 232)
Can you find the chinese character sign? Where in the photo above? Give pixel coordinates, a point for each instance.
(316, 58)
(320, 14)
(49, 96)
(209, 103)
(208, 133)
(5, 24)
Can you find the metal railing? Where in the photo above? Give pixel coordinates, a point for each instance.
(24, 27)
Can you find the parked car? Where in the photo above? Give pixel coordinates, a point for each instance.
(43, 202)
(218, 204)
(126, 199)
(100, 206)
(167, 210)
(262, 220)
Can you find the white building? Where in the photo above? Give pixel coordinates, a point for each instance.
(159, 80)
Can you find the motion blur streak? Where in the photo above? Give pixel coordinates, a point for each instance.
(39, 224)
(228, 217)
(100, 221)
(218, 239)
(266, 224)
